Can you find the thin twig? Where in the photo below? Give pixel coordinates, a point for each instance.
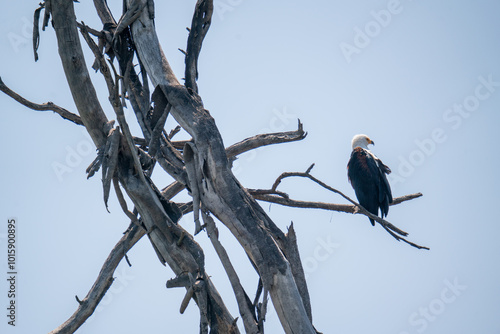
(127, 259)
(398, 238)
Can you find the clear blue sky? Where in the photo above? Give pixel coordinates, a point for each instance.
(421, 78)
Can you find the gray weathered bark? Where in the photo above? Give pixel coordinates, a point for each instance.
(184, 257)
(220, 192)
(202, 165)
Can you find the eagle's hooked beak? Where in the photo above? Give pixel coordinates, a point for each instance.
(371, 142)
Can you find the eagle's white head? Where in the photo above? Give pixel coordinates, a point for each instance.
(361, 141)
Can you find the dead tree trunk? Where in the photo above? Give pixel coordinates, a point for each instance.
(201, 165)
(218, 192)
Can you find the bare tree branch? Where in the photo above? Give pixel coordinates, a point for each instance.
(245, 146)
(41, 107)
(199, 27)
(157, 219)
(257, 141)
(348, 208)
(283, 199)
(244, 302)
(221, 193)
(399, 238)
(324, 185)
(272, 195)
(77, 75)
(103, 281)
(200, 164)
(266, 139)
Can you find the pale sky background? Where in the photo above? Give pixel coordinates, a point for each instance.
(421, 78)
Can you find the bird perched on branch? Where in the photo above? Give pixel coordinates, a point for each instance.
(366, 174)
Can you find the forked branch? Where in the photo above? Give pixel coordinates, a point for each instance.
(274, 196)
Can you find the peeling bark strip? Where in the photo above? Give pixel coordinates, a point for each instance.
(220, 192)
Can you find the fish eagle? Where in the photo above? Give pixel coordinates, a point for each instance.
(366, 174)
